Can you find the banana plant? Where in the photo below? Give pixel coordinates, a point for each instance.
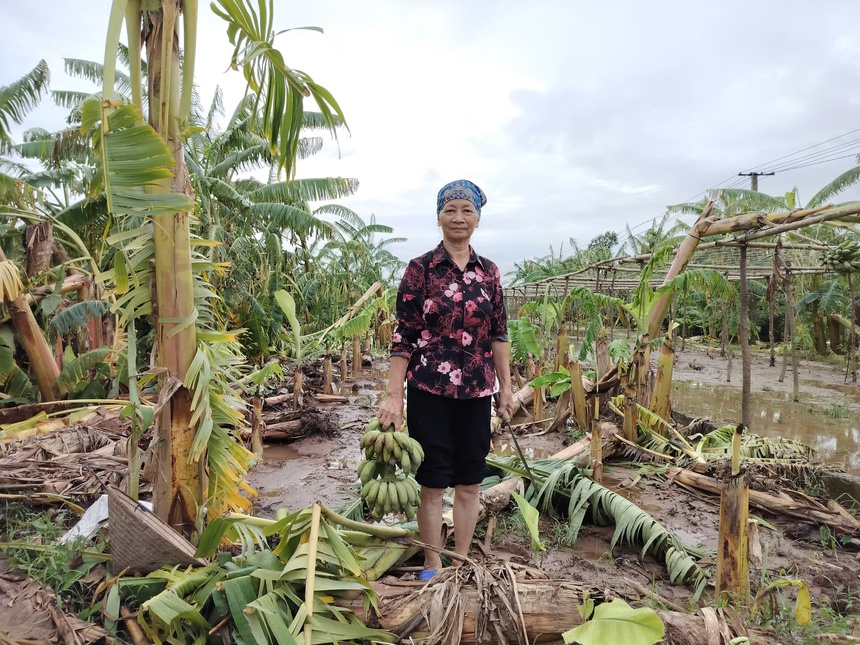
(158, 205)
(285, 595)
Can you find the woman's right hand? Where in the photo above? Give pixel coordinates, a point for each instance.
(391, 412)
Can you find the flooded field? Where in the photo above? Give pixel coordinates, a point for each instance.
(827, 423)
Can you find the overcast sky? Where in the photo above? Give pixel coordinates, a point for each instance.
(574, 117)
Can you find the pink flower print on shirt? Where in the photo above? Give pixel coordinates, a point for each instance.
(467, 339)
(444, 368)
(456, 377)
(428, 305)
(423, 360)
(453, 292)
(396, 337)
(479, 274)
(469, 276)
(471, 306)
(425, 338)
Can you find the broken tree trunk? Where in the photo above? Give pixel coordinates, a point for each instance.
(548, 608)
(34, 342)
(806, 509)
(661, 398)
(733, 582)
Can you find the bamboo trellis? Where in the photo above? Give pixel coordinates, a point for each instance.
(613, 276)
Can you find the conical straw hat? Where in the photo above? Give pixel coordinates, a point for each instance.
(140, 541)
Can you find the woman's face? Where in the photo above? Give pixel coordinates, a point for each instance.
(458, 220)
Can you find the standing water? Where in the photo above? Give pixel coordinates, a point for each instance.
(832, 429)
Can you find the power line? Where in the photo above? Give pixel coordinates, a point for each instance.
(733, 181)
(815, 163)
(849, 145)
(805, 149)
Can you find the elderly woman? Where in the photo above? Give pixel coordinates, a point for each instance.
(450, 345)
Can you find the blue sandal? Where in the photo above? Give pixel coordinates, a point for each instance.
(426, 574)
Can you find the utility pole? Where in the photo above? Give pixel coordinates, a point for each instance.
(754, 178)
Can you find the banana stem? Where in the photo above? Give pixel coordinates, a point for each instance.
(385, 532)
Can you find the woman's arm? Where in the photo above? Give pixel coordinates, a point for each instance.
(391, 410)
(502, 363)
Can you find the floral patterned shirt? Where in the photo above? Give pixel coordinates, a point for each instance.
(447, 320)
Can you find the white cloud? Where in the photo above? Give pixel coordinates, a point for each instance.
(575, 118)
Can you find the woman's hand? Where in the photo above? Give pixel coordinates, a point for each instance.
(505, 409)
(391, 412)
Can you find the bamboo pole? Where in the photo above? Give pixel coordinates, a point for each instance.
(733, 582)
(792, 330)
(853, 344)
(682, 258)
(744, 337)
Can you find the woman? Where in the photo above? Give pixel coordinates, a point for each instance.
(450, 345)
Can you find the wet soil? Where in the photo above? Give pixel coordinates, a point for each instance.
(323, 468)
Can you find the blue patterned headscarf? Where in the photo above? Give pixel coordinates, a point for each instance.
(461, 189)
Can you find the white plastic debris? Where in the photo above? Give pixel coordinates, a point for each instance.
(90, 522)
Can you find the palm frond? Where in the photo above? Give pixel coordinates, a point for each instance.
(560, 485)
(78, 314)
(281, 88)
(838, 185)
(78, 370)
(305, 190)
(19, 97)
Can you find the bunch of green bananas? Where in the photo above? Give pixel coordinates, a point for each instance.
(389, 447)
(385, 488)
(844, 258)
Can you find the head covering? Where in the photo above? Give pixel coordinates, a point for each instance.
(460, 189)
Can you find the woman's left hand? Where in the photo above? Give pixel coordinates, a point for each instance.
(505, 409)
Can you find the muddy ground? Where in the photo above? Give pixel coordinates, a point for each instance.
(323, 468)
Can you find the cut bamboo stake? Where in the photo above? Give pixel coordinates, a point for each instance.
(733, 582)
(344, 370)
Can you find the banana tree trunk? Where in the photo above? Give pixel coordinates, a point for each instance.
(35, 344)
(661, 399)
(834, 331)
(180, 483)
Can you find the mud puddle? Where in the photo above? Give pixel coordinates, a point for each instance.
(836, 438)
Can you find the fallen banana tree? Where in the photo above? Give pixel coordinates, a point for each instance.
(504, 603)
(791, 504)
